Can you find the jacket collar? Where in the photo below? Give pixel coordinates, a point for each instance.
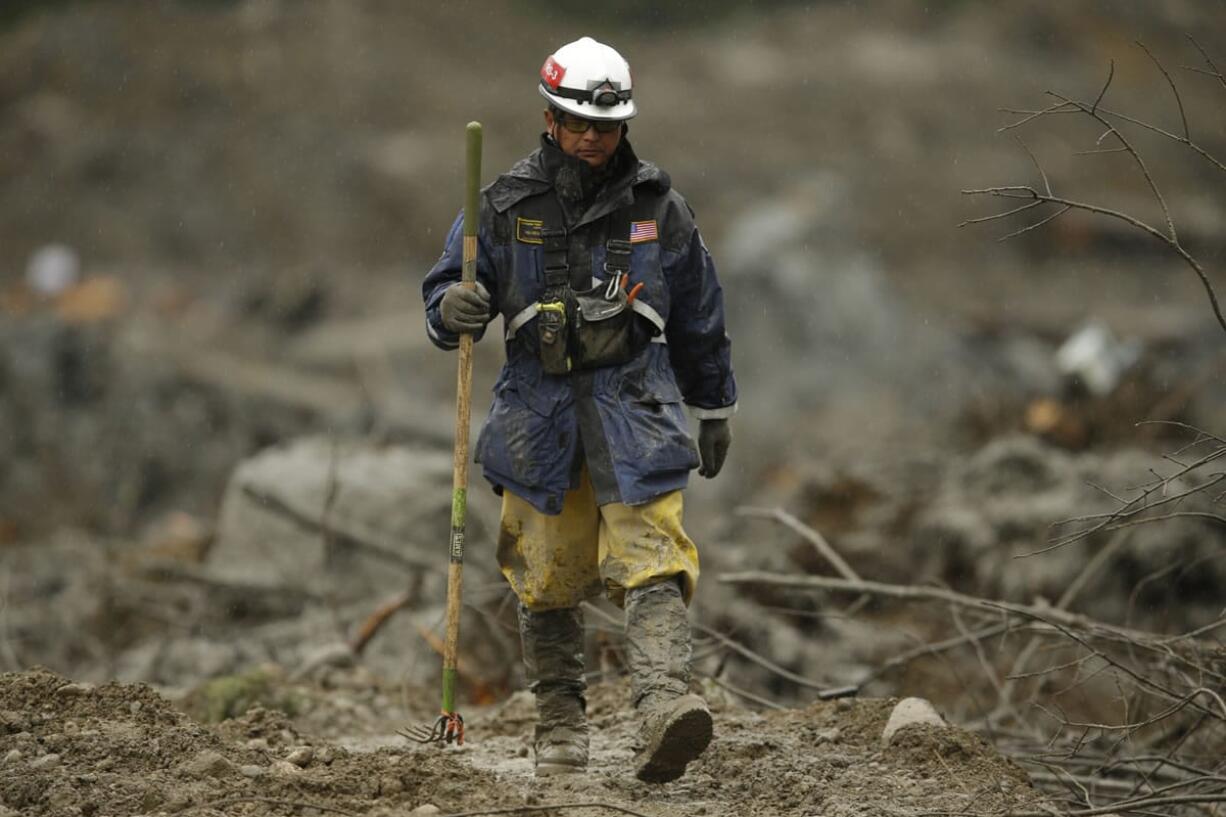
(548, 167)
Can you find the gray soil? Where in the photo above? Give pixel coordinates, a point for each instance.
(123, 749)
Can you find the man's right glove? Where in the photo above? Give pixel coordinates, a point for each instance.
(714, 437)
(464, 309)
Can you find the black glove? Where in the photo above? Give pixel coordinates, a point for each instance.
(714, 437)
(464, 309)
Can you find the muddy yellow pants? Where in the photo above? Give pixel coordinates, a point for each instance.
(558, 561)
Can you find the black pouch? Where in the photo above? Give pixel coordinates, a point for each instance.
(603, 332)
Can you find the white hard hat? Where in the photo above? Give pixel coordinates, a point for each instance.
(588, 79)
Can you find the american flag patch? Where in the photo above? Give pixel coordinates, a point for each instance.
(643, 231)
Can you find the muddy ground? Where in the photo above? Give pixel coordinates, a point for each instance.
(76, 749)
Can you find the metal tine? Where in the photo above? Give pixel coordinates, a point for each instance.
(423, 734)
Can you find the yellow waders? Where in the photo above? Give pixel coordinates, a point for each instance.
(558, 561)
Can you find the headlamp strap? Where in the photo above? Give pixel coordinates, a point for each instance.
(596, 96)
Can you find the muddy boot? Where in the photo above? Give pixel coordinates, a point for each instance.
(553, 655)
(675, 725)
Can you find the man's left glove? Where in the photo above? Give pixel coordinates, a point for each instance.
(464, 309)
(714, 437)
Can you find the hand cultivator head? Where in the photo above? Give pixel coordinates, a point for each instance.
(447, 729)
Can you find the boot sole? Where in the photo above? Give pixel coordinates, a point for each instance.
(685, 737)
(558, 769)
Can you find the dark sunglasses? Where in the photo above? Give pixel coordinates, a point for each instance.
(575, 124)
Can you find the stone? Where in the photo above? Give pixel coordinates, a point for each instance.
(426, 808)
(284, 768)
(908, 712)
(74, 690)
(301, 757)
(208, 764)
(392, 498)
(12, 756)
(251, 771)
(45, 762)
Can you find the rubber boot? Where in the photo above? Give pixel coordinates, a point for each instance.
(675, 725)
(553, 654)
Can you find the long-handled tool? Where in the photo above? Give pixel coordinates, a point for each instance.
(450, 725)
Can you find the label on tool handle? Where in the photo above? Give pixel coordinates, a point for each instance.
(459, 503)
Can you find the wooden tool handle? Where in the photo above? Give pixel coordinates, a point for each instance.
(464, 383)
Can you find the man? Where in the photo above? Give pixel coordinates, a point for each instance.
(612, 316)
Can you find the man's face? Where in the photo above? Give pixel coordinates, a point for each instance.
(591, 146)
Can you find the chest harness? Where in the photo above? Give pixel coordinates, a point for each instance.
(602, 322)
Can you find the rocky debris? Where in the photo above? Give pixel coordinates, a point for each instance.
(208, 763)
(343, 518)
(301, 757)
(104, 426)
(1001, 503)
(284, 768)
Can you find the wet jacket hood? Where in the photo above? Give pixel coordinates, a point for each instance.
(573, 178)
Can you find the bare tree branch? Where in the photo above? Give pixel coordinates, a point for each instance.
(1028, 192)
(1183, 117)
(1005, 214)
(1215, 71)
(1149, 179)
(1065, 105)
(1038, 612)
(810, 535)
(1110, 76)
(1036, 225)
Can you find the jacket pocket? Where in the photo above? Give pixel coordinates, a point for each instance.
(520, 440)
(656, 421)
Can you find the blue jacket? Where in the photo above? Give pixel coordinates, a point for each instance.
(626, 422)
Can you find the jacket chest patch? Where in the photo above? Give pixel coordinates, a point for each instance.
(641, 231)
(528, 230)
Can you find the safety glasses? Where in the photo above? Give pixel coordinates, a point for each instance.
(575, 124)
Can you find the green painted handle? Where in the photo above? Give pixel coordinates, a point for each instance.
(472, 181)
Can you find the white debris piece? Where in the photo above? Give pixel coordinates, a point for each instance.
(52, 269)
(908, 712)
(1095, 356)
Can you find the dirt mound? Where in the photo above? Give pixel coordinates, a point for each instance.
(117, 749)
(74, 749)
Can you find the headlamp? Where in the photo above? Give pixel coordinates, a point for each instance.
(606, 98)
(602, 96)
